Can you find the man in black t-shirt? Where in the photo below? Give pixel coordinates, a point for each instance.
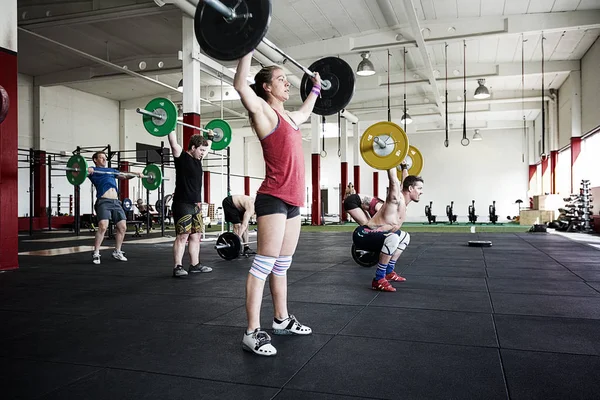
(187, 210)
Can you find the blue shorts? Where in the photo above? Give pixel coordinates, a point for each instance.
(109, 209)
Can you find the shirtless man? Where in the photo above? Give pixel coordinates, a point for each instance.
(362, 207)
(238, 210)
(382, 232)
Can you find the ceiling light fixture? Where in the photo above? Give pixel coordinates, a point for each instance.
(481, 92)
(365, 67)
(406, 119)
(477, 135)
(180, 86)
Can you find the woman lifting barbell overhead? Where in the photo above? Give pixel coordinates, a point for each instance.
(278, 199)
(108, 206)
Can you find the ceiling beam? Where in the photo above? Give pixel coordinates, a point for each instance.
(438, 32)
(411, 13)
(86, 17)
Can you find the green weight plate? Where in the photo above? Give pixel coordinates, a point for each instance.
(153, 177)
(222, 132)
(157, 126)
(77, 162)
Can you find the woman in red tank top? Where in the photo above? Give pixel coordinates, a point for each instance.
(278, 199)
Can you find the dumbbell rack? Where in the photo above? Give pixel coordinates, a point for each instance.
(586, 199)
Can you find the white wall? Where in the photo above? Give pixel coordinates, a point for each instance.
(25, 93)
(590, 82)
(565, 95)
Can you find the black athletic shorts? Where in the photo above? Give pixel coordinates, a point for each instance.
(365, 238)
(187, 217)
(232, 214)
(351, 202)
(266, 205)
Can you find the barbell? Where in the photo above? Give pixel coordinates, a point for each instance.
(4, 104)
(384, 145)
(77, 172)
(227, 30)
(160, 118)
(229, 245)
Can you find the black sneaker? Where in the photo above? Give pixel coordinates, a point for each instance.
(248, 252)
(178, 272)
(199, 268)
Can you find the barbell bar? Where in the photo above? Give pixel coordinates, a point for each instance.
(160, 118)
(229, 31)
(77, 172)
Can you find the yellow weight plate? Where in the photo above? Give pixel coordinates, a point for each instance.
(384, 145)
(414, 161)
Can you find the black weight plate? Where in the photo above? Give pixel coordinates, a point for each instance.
(235, 245)
(480, 243)
(341, 77)
(227, 41)
(4, 104)
(364, 258)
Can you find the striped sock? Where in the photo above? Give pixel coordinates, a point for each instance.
(390, 267)
(380, 273)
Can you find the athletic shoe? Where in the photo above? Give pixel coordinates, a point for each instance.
(290, 326)
(178, 272)
(393, 276)
(382, 285)
(119, 255)
(199, 268)
(96, 258)
(258, 342)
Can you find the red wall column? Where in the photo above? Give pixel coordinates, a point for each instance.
(9, 142)
(124, 189)
(375, 184)
(192, 119)
(532, 171)
(315, 215)
(553, 164)
(206, 184)
(575, 151)
(357, 178)
(344, 170)
(247, 185)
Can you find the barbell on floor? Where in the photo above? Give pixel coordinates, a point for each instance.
(77, 172)
(160, 118)
(229, 31)
(229, 245)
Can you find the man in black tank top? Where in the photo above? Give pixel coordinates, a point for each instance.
(187, 211)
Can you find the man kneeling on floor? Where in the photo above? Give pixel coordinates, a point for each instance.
(382, 232)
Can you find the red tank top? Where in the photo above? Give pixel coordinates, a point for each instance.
(372, 204)
(284, 164)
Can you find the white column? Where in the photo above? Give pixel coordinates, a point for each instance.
(191, 67)
(576, 103)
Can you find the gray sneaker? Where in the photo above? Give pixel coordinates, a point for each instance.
(96, 258)
(199, 268)
(258, 342)
(178, 272)
(119, 255)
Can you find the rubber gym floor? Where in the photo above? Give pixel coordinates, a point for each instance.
(519, 320)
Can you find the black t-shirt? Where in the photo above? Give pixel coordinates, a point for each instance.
(188, 179)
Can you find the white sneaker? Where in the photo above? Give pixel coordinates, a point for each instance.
(258, 342)
(96, 258)
(290, 326)
(119, 255)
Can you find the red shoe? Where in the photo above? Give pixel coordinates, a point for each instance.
(393, 276)
(382, 285)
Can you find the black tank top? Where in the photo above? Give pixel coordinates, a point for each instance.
(188, 179)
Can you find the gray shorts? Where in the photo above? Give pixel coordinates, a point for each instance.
(109, 209)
